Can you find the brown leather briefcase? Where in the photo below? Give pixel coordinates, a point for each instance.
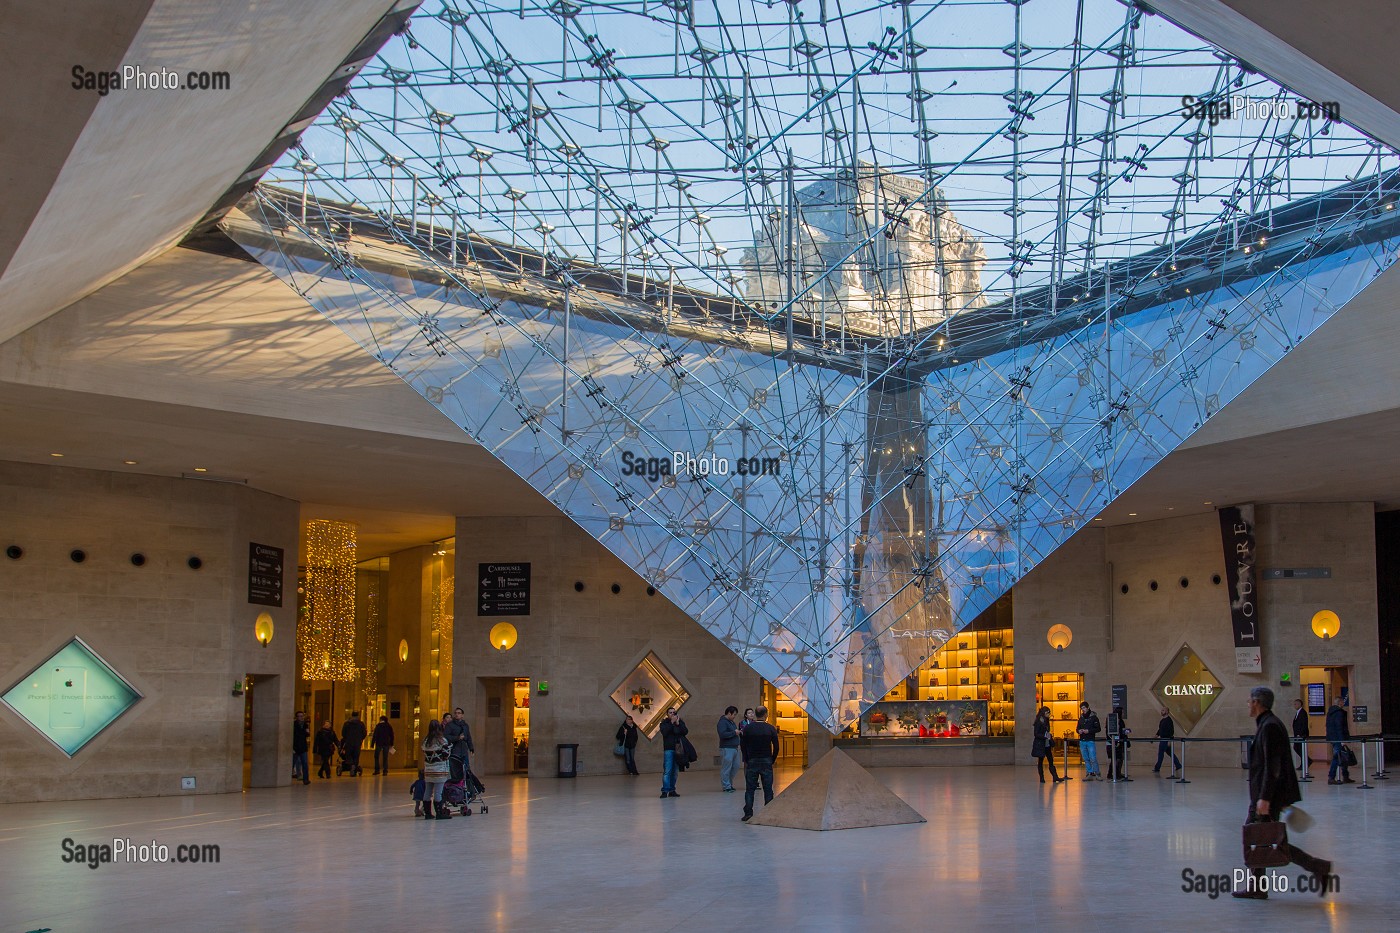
(1265, 845)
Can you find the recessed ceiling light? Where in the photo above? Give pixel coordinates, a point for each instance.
(200, 470)
(1132, 515)
(129, 462)
(1098, 519)
(1207, 502)
(1171, 508)
(55, 455)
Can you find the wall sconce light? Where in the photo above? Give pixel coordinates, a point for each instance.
(262, 628)
(1326, 624)
(503, 636)
(1059, 637)
(403, 649)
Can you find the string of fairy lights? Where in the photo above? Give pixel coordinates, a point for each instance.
(328, 643)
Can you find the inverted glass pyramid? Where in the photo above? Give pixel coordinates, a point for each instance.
(831, 323)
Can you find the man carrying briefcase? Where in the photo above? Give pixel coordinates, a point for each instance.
(1273, 785)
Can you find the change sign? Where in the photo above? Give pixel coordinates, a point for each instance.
(503, 590)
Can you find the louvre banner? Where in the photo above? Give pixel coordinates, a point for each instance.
(1237, 535)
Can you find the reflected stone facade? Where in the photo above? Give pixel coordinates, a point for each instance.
(924, 269)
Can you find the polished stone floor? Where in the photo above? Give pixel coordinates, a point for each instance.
(999, 852)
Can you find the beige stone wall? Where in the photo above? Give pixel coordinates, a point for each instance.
(581, 644)
(181, 637)
(1133, 643)
(1069, 587)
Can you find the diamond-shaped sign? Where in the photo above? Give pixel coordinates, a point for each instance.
(1187, 688)
(71, 697)
(647, 692)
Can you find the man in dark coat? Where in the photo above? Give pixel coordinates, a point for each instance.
(325, 745)
(301, 736)
(1338, 732)
(1273, 785)
(352, 737)
(760, 749)
(459, 735)
(1300, 731)
(381, 742)
(1166, 731)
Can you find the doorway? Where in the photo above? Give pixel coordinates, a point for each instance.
(261, 716)
(503, 745)
(1319, 687)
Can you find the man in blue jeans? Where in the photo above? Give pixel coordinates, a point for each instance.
(672, 730)
(728, 748)
(301, 737)
(1089, 729)
(760, 748)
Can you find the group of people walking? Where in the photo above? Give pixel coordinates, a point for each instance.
(750, 742)
(327, 745)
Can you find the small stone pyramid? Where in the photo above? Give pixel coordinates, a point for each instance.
(836, 793)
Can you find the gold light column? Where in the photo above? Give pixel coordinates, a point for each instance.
(331, 551)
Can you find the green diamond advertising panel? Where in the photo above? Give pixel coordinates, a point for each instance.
(71, 697)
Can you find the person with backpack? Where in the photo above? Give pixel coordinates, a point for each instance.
(1089, 730)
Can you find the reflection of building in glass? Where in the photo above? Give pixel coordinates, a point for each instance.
(925, 268)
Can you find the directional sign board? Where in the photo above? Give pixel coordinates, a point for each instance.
(264, 575)
(503, 590)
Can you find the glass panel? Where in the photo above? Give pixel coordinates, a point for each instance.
(71, 697)
(830, 384)
(1187, 688)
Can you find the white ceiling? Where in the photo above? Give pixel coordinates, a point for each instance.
(121, 178)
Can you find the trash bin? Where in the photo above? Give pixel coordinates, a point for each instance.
(568, 760)
(1246, 743)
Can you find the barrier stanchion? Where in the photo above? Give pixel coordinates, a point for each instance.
(1305, 777)
(1363, 785)
(1380, 774)
(1112, 750)
(1066, 759)
(1182, 779)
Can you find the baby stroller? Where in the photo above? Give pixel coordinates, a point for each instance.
(342, 764)
(465, 792)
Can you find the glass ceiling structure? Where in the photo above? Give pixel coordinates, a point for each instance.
(831, 319)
